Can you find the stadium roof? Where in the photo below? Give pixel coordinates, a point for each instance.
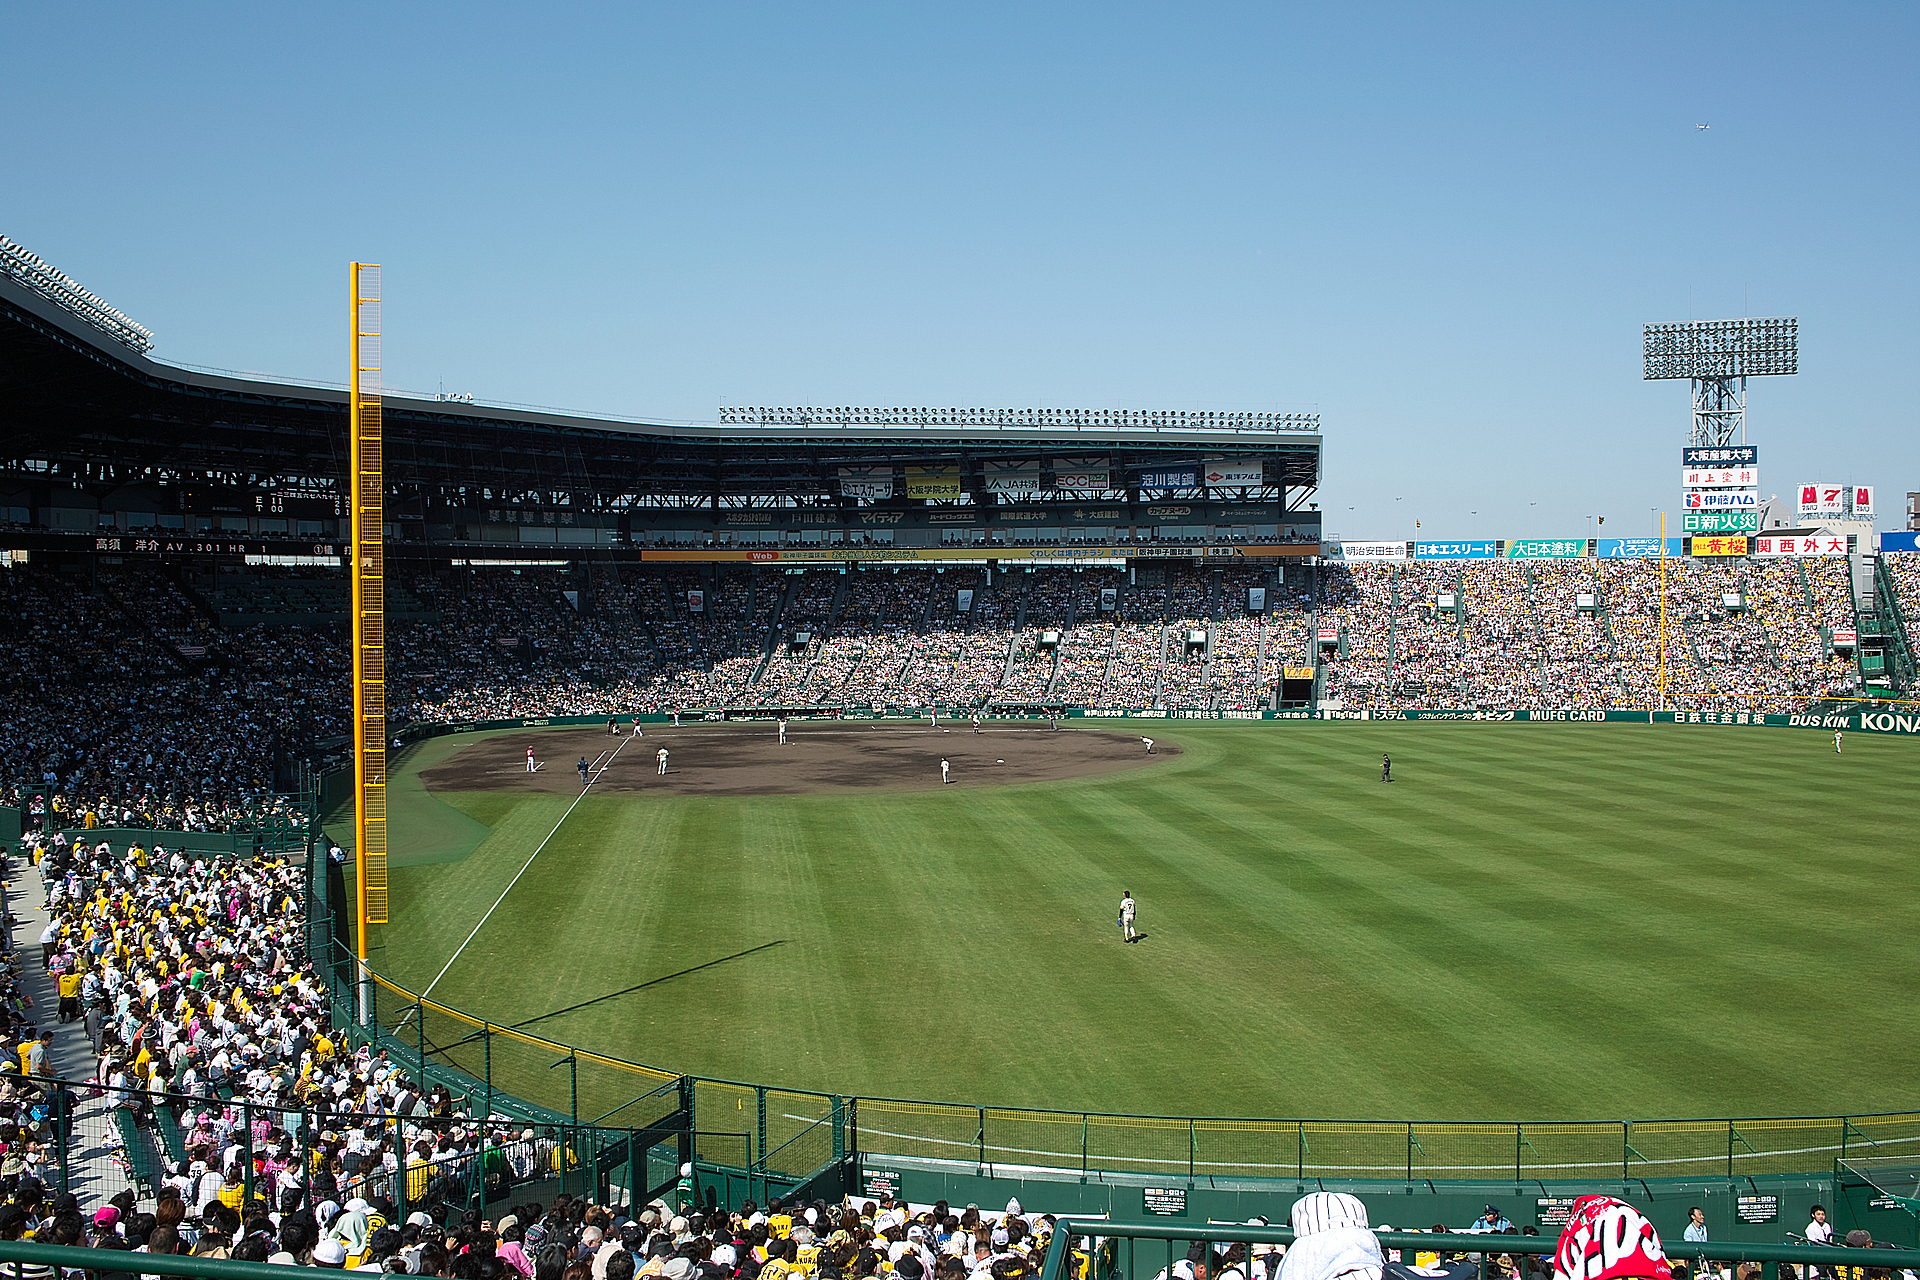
(83, 406)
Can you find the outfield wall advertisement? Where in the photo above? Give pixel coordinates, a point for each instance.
(974, 554)
(1904, 720)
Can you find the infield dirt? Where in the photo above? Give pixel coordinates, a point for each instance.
(747, 759)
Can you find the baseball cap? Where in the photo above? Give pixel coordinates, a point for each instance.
(1609, 1239)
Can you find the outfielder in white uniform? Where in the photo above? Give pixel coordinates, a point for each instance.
(1126, 917)
(661, 756)
(944, 766)
(783, 731)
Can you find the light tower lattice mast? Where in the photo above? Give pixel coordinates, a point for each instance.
(366, 463)
(1719, 356)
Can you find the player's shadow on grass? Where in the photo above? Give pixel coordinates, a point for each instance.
(652, 982)
(1140, 937)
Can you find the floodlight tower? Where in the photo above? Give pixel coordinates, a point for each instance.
(1719, 356)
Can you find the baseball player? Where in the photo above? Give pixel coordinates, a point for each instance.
(783, 731)
(944, 766)
(582, 767)
(1149, 742)
(531, 766)
(1386, 767)
(976, 722)
(1836, 742)
(1126, 917)
(661, 756)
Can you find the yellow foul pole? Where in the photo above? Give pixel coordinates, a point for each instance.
(1662, 685)
(367, 467)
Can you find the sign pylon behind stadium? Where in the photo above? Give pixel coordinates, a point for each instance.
(367, 465)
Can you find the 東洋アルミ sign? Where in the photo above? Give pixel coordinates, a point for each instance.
(1233, 471)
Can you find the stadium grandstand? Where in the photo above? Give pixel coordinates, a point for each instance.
(181, 534)
(174, 616)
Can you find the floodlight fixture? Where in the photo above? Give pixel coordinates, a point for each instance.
(1723, 348)
(1719, 356)
(55, 285)
(921, 416)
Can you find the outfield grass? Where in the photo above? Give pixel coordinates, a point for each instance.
(1534, 921)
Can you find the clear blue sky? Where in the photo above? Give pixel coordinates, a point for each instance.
(1440, 226)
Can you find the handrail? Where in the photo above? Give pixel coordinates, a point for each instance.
(1067, 1229)
(68, 1259)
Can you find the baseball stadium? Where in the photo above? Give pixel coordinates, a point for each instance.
(452, 807)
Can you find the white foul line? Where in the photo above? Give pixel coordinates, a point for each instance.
(523, 870)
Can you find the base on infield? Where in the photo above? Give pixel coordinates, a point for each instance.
(820, 756)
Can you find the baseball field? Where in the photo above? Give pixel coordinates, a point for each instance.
(1531, 921)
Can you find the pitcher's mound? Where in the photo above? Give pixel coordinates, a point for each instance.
(747, 759)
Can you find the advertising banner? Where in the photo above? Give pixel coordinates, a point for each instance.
(1081, 473)
(1256, 599)
(1012, 477)
(1635, 548)
(1168, 478)
(1722, 500)
(1720, 522)
(963, 600)
(933, 482)
(1900, 542)
(1821, 544)
(975, 554)
(1844, 639)
(1717, 546)
(866, 482)
(696, 602)
(1456, 551)
(1719, 477)
(1823, 499)
(1109, 599)
(1545, 548)
(1726, 455)
(1234, 471)
(1863, 501)
(1369, 550)
(1328, 635)
(1296, 673)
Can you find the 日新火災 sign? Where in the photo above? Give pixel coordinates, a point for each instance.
(1720, 522)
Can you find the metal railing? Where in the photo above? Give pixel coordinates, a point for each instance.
(1118, 1254)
